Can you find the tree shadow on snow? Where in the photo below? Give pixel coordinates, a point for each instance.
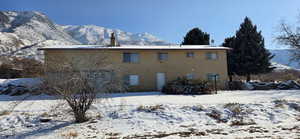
(42, 131)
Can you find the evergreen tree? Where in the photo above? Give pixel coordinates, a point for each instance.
(249, 53)
(229, 42)
(196, 37)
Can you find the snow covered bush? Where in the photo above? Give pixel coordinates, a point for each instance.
(187, 86)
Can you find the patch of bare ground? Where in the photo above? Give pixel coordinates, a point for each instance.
(191, 132)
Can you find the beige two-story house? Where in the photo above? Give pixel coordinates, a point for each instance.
(149, 68)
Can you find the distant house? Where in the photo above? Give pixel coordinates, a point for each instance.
(148, 68)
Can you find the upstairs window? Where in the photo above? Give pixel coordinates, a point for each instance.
(213, 76)
(132, 80)
(131, 57)
(190, 54)
(162, 56)
(211, 56)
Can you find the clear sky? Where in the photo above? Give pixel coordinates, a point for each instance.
(167, 19)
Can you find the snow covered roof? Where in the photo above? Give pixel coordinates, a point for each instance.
(135, 47)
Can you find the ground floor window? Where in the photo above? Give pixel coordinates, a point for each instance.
(132, 80)
(213, 76)
(190, 76)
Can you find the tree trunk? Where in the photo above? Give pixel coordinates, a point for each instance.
(230, 78)
(248, 77)
(80, 117)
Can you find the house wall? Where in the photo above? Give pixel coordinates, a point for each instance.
(177, 65)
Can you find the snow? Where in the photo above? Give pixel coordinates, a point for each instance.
(280, 67)
(145, 47)
(24, 32)
(91, 34)
(283, 56)
(273, 112)
(27, 82)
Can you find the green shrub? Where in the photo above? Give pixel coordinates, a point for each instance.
(187, 86)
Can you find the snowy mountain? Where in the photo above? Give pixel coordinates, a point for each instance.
(283, 56)
(21, 33)
(91, 34)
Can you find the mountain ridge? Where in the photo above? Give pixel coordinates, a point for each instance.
(21, 33)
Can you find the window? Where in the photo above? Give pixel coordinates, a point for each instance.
(211, 56)
(162, 56)
(190, 76)
(132, 80)
(190, 54)
(212, 76)
(131, 57)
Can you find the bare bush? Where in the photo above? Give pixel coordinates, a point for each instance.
(78, 80)
(283, 75)
(30, 67)
(13, 67)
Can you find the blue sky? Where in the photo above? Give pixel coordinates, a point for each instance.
(167, 19)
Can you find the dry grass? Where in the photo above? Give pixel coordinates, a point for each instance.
(99, 116)
(278, 76)
(235, 108)
(5, 112)
(242, 122)
(280, 103)
(71, 134)
(150, 108)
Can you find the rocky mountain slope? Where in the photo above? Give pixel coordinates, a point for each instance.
(21, 33)
(91, 34)
(283, 56)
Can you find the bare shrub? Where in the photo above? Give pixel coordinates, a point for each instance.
(30, 67)
(7, 68)
(78, 80)
(187, 86)
(283, 75)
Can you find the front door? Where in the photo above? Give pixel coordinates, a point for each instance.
(160, 80)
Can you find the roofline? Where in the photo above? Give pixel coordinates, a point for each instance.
(120, 48)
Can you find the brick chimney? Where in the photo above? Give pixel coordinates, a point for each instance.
(113, 41)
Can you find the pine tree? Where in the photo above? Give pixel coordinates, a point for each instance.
(229, 42)
(249, 53)
(196, 37)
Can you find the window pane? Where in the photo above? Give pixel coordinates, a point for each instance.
(126, 57)
(162, 56)
(134, 58)
(190, 54)
(212, 76)
(190, 76)
(134, 80)
(211, 56)
(126, 80)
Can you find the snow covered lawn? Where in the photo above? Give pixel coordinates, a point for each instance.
(229, 114)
